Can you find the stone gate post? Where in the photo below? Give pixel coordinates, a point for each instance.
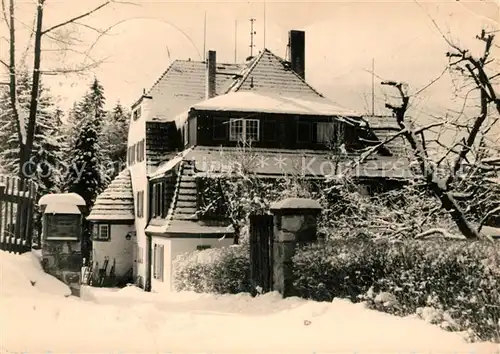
(295, 222)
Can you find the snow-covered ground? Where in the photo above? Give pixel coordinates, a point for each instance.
(37, 315)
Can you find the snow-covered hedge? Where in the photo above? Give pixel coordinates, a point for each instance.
(458, 281)
(215, 270)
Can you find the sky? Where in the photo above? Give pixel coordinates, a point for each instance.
(343, 41)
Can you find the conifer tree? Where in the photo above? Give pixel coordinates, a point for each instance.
(46, 154)
(86, 171)
(115, 134)
(86, 174)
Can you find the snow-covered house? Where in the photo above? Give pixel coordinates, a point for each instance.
(198, 112)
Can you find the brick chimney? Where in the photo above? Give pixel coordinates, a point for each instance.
(297, 46)
(210, 74)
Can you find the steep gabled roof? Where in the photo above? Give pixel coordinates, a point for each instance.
(116, 203)
(183, 84)
(269, 73)
(182, 217)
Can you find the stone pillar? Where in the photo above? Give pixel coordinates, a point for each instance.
(295, 222)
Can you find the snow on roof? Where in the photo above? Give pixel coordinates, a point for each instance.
(267, 102)
(190, 227)
(170, 164)
(116, 202)
(181, 118)
(296, 203)
(64, 199)
(269, 73)
(183, 84)
(62, 208)
(382, 122)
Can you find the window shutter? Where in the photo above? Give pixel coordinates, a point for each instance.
(155, 266)
(162, 262)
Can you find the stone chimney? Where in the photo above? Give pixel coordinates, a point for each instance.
(297, 45)
(210, 74)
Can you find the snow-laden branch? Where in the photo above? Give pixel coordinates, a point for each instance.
(438, 231)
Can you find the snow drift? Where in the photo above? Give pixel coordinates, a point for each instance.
(41, 318)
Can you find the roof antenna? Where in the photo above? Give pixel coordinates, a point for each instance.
(235, 40)
(264, 24)
(373, 87)
(252, 33)
(205, 36)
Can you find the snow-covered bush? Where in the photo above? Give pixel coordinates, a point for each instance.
(458, 280)
(214, 270)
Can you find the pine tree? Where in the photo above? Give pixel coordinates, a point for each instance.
(47, 154)
(115, 134)
(87, 175)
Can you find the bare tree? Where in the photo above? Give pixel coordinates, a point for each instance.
(26, 124)
(443, 183)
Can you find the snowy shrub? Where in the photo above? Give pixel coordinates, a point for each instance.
(455, 284)
(214, 270)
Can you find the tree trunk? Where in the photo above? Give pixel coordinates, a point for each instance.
(29, 170)
(451, 206)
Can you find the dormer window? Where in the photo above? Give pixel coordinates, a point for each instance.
(136, 114)
(246, 130)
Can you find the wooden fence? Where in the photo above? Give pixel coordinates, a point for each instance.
(17, 206)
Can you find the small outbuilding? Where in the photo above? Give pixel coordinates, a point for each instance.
(113, 233)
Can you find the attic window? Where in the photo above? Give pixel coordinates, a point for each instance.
(136, 114)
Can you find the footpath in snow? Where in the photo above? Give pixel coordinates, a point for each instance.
(39, 316)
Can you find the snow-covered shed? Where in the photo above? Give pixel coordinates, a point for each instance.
(113, 232)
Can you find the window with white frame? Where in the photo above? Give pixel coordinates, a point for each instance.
(101, 232)
(246, 130)
(158, 262)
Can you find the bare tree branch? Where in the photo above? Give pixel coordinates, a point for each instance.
(4, 13)
(79, 17)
